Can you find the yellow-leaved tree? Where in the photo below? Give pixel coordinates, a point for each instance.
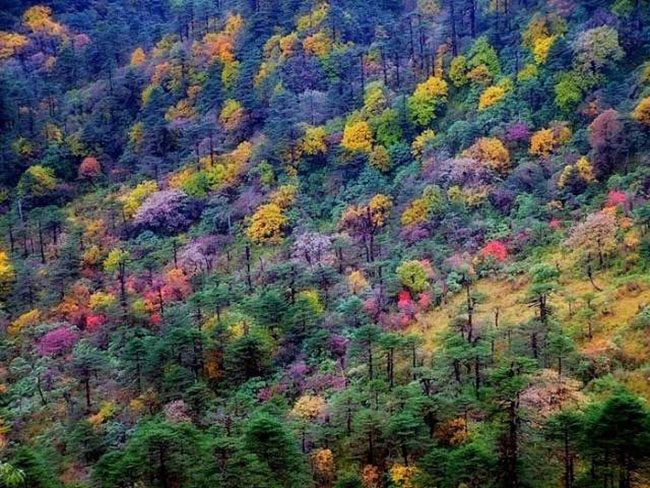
(402, 476)
(267, 225)
(542, 143)
(308, 407)
(39, 20)
(138, 57)
(428, 97)
(232, 114)
(284, 196)
(581, 172)
(458, 71)
(375, 100)
(7, 274)
(314, 141)
(312, 19)
(357, 282)
(11, 43)
(323, 465)
(28, 319)
(642, 111)
(545, 141)
(116, 262)
(541, 33)
(491, 96)
(318, 44)
(357, 137)
(132, 201)
(422, 142)
(542, 47)
(380, 159)
(416, 213)
(37, 181)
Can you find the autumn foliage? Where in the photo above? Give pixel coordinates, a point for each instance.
(642, 111)
(496, 250)
(324, 244)
(90, 168)
(492, 152)
(267, 225)
(357, 137)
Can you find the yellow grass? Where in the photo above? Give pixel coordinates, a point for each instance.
(616, 305)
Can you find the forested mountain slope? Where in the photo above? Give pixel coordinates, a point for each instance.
(306, 243)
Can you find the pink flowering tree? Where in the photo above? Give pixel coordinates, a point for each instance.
(595, 237)
(199, 255)
(177, 412)
(58, 342)
(518, 133)
(312, 247)
(166, 212)
(616, 198)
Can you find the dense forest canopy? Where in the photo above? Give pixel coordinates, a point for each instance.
(325, 243)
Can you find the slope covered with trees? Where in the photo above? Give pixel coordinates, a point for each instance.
(325, 243)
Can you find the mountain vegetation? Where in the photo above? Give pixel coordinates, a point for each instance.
(325, 243)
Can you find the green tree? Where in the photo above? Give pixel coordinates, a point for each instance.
(246, 357)
(87, 362)
(158, 455)
(35, 466)
(567, 92)
(405, 431)
(268, 308)
(367, 432)
(561, 347)
(267, 438)
(506, 383)
(365, 340)
(413, 275)
(10, 476)
(564, 430)
(348, 480)
(617, 437)
(543, 282)
(116, 262)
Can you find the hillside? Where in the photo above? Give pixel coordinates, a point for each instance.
(325, 243)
